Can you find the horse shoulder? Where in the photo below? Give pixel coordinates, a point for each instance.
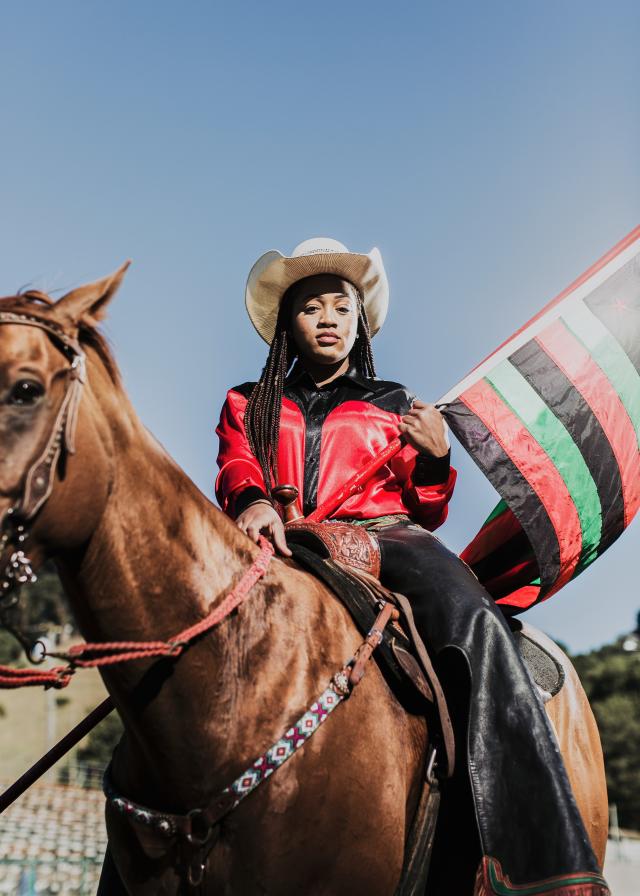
(370, 735)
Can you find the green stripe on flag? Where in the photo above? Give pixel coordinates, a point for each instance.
(609, 356)
(556, 441)
(498, 510)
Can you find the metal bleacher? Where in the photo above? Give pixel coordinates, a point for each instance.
(52, 841)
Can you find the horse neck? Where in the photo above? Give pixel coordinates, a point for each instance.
(159, 557)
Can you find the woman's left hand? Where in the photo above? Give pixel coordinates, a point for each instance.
(425, 429)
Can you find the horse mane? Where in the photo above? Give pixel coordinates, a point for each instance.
(35, 302)
(91, 337)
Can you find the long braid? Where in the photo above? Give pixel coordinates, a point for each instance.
(362, 353)
(262, 414)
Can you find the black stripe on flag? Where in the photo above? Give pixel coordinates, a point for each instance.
(573, 411)
(507, 479)
(503, 558)
(617, 304)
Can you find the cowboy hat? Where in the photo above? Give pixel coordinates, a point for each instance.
(273, 273)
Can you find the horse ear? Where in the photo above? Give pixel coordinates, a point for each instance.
(88, 303)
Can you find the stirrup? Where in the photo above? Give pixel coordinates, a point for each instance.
(492, 881)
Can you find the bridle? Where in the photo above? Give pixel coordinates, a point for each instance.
(39, 479)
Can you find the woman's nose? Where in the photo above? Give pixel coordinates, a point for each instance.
(328, 319)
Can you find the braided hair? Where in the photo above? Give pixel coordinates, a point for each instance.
(262, 414)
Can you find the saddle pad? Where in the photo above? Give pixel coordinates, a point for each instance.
(545, 670)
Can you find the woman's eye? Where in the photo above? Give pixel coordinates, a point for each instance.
(345, 309)
(25, 392)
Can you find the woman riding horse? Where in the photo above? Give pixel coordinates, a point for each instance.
(314, 425)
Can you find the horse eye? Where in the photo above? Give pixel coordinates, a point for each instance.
(26, 392)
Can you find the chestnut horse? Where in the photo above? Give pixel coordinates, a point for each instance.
(142, 555)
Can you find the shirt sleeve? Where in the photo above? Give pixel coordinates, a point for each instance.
(427, 485)
(240, 480)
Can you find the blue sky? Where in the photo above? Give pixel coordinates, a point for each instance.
(489, 150)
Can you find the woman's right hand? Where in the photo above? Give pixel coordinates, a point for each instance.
(261, 518)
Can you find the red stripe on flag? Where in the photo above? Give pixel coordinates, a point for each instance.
(578, 366)
(611, 254)
(523, 597)
(495, 533)
(536, 467)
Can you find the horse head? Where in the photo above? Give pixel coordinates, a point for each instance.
(46, 502)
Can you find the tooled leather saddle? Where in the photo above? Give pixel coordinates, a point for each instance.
(347, 558)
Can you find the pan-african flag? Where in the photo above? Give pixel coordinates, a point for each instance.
(552, 418)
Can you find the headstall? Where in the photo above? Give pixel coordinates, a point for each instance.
(39, 479)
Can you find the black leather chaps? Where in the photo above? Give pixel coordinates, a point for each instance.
(525, 811)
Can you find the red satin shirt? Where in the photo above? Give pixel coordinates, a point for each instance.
(326, 435)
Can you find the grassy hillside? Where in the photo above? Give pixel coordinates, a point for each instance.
(33, 718)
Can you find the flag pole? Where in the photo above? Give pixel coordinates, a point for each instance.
(357, 482)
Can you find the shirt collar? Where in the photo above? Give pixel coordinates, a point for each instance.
(299, 376)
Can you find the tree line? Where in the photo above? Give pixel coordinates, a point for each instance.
(611, 679)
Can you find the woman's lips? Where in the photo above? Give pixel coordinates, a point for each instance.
(327, 339)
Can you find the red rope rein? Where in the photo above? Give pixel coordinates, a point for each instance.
(108, 653)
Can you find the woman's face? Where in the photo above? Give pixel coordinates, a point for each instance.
(324, 318)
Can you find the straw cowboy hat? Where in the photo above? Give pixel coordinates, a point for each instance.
(273, 273)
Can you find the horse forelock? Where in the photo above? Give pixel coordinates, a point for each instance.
(40, 305)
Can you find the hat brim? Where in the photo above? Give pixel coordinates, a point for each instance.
(274, 273)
